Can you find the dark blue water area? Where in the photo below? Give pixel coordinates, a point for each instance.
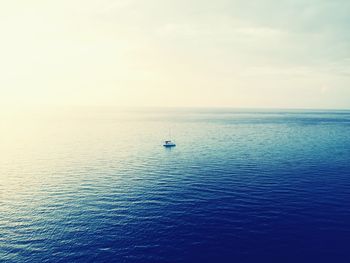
(240, 186)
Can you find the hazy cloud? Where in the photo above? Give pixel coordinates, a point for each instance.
(223, 53)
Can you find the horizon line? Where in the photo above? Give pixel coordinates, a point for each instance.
(170, 107)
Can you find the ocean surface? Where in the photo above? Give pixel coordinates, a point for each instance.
(246, 186)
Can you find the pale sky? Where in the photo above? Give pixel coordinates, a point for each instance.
(222, 53)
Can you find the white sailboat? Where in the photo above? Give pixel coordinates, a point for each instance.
(169, 143)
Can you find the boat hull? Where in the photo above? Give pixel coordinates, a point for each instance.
(169, 145)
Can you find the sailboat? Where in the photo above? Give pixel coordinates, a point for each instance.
(169, 143)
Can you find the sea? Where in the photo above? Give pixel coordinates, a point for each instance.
(242, 185)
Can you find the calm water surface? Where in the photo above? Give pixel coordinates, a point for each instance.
(95, 185)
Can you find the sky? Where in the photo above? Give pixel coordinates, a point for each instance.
(185, 53)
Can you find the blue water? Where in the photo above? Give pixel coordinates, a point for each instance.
(95, 185)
